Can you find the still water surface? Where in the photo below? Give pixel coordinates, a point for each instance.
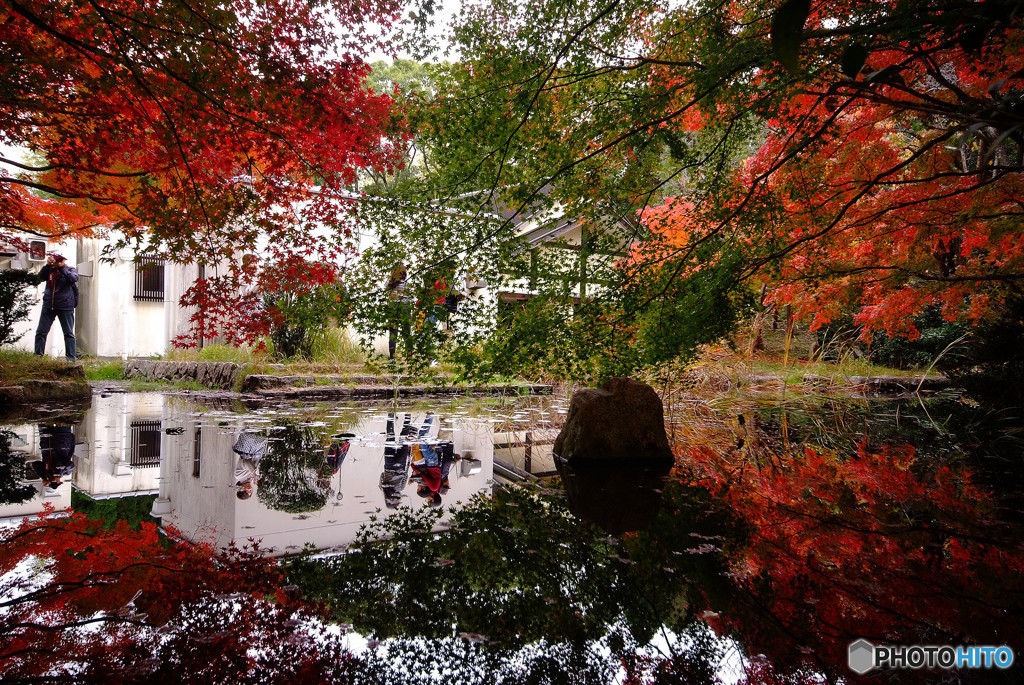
(787, 530)
(323, 472)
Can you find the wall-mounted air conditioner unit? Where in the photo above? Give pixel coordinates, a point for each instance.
(37, 250)
(7, 250)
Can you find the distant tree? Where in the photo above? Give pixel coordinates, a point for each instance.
(13, 488)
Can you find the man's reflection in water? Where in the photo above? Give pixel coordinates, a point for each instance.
(57, 446)
(397, 456)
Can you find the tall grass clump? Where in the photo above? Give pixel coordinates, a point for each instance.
(218, 352)
(336, 347)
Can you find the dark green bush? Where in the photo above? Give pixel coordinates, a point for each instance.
(15, 302)
(133, 510)
(992, 364)
(936, 335)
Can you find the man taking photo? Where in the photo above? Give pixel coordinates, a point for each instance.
(59, 301)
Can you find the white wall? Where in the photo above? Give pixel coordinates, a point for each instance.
(111, 322)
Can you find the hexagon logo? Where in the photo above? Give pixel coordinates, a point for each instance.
(862, 657)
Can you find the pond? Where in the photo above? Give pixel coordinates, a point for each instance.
(789, 530)
(321, 473)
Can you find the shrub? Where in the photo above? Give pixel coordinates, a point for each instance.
(15, 302)
(299, 321)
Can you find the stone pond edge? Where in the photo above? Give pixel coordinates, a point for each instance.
(229, 376)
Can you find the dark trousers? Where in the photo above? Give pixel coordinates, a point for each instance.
(67, 324)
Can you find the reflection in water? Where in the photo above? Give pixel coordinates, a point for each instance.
(308, 458)
(814, 529)
(57, 448)
(14, 488)
(775, 542)
(35, 460)
(618, 497)
(296, 460)
(250, 448)
(856, 532)
(294, 474)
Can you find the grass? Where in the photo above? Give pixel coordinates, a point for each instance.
(334, 351)
(98, 369)
(336, 347)
(18, 365)
(218, 352)
(720, 374)
(794, 371)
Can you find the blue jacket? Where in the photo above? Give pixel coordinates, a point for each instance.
(61, 286)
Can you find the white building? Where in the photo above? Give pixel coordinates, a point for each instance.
(126, 307)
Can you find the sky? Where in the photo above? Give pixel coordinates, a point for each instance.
(445, 11)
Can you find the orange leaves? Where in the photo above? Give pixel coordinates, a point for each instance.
(881, 146)
(891, 311)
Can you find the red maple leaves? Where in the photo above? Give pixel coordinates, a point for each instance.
(120, 604)
(890, 175)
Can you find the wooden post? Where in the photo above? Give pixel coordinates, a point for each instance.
(583, 262)
(533, 268)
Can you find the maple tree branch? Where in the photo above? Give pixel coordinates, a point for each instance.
(86, 582)
(59, 234)
(68, 195)
(86, 50)
(72, 167)
(11, 627)
(1006, 277)
(144, 85)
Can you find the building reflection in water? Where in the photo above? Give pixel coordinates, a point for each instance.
(199, 496)
(114, 452)
(131, 444)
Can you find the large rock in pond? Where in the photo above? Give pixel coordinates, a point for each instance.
(622, 421)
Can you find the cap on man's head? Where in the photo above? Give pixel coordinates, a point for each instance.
(56, 255)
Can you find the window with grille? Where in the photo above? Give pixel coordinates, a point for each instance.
(149, 279)
(145, 443)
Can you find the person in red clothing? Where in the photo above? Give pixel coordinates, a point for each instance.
(432, 464)
(446, 301)
(427, 466)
